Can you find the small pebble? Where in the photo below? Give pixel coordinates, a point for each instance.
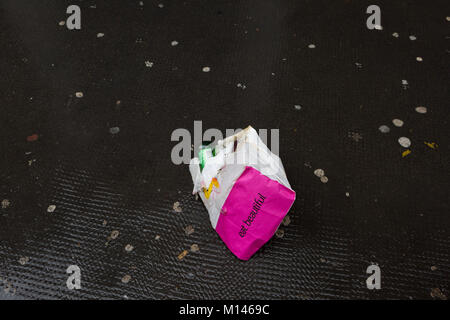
(206, 69)
(280, 233)
(437, 293)
(5, 203)
(311, 46)
(286, 221)
(420, 59)
(157, 237)
(114, 234)
(319, 173)
(129, 248)
(433, 268)
(100, 35)
(395, 35)
(384, 129)
(126, 278)
(189, 230)
(324, 179)
(182, 255)
(412, 37)
(297, 107)
(195, 247)
(24, 260)
(176, 207)
(79, 94)
(174, 43)
(51, 208)
(397, 122)
(421, 109)
(404, 142)
(114, 130)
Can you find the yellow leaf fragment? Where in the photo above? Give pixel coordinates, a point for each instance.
(405, 153)
(182, 255)
(432, 145)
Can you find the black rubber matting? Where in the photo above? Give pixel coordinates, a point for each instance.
(378, 207)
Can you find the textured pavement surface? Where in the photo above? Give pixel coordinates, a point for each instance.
(378, 206)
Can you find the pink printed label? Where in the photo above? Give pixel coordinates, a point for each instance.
(252, 212)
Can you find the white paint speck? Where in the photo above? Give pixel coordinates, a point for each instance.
(404, 142)
(100, 35)
(378, 27)
(161, 5)
(421, 109)
(174, 43)
(419, 59)
(297, 107)
(148, 64)
(126, 278)
(24, 260)
(311, 46)
(5, 203)
(412, 37)
(61, 23)
(79, 94)
(397, 123)
(319, 173)
(242, 86)
(51, 208)
(129, 248)
(384, 129)
(405, 84)
(206, 69)
(324, 179)
(114, 234)
(347, 194)
(395, 35)
(447, 18)
(177, 207)
(114, 130)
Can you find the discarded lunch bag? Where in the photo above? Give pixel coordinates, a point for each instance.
(245, 190)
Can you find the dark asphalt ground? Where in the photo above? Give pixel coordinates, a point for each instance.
(397, 210)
